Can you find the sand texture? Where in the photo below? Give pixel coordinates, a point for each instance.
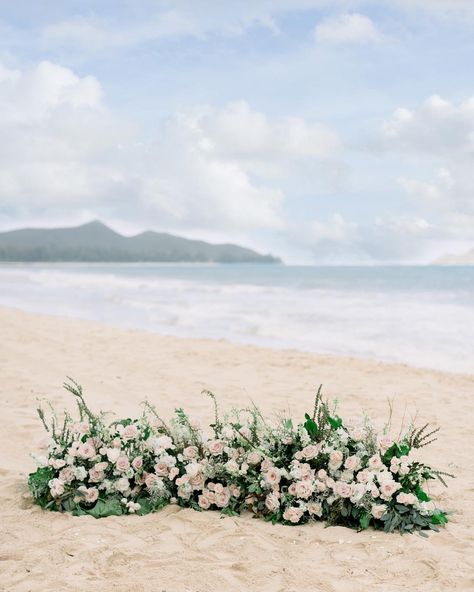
(182, 550)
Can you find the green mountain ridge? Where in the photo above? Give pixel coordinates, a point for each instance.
(96, 242)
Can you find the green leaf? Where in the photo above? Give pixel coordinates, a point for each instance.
(311, 427)
(145, 506)
(439, 518)
(364, 520)
(104, 508)
(421, 495)
(335, 422)
(38, 484)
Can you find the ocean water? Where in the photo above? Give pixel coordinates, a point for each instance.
(423, 316)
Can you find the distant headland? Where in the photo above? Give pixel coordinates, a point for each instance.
(96, 242)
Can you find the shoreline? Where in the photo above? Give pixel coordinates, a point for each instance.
(184, 550)
(230, 342)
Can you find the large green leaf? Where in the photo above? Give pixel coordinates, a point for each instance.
(104, 508)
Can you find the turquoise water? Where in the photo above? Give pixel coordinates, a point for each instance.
(419, 315)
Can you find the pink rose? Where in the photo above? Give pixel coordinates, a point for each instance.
(266, 465)
(342, 489)
(375, 462)
(320, 486)
(204, 502)
(357, 434)
(378, 510)
(352, 463)
(404, 469)
(407, 499)
(190, 452)
(122, 463)
(215, 447)
(151, 480)
(197, 481)
(92, 494)
(161, 468)
(234, 490)
(335, 459)
(193, 469)
(385, 442)
(96, 475)
(363, 476)
(57, 463)
(311, 451)
(222, 498)
(86, 450)
(293, 515)
(272, 502)
(272, 476)
(80, 427)
(254, 458)
(56, 487)
(173, 473)
(303, 489)
(66, 474)
(388, 488)
(130, 432)
(137, 463)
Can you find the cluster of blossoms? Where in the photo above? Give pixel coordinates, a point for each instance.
(321, 469)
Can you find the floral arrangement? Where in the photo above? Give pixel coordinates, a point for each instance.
(324, 468)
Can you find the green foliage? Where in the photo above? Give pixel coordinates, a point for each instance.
(364, 520)
(397, 449)
(421, 495)
(311, 427)
(38, 484)
(335, 422)
(106, 507)
(279, 444)
(420, 437)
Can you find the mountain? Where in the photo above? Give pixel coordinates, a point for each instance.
(448, 259)
(97, 242)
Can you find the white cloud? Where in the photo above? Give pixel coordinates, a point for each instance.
(439, 133)
(438, 128)
(382, 239)
(64, 153)
(347, 28)
(163, 20)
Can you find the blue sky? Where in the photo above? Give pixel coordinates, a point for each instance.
(333, 132)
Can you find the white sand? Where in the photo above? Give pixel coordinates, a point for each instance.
(182, 550)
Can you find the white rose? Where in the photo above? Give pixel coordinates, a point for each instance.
(113, 454)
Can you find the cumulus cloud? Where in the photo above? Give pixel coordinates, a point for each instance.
(383, 239)
(145, 23)
(439, 133)
(64, 153)
(347, 28)
(438, 128)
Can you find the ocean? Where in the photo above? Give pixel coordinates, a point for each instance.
(423, 316)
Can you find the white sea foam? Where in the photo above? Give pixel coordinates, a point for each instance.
(421, 316)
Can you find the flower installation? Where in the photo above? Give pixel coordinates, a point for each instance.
(324, 468)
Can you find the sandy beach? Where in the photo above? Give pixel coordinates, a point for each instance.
(182, 550)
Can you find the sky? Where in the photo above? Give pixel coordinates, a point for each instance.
(323, 131)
